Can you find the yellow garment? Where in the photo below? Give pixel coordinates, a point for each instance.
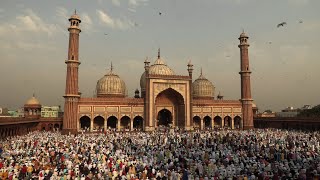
(29, 169)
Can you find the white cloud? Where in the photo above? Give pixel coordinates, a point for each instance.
(86, 23)
(122, 24)
(135, 3)
(132, 10)
(62, 12)
(116, 2)
(27, 22)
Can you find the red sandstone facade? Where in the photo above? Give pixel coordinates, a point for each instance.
(162, 90)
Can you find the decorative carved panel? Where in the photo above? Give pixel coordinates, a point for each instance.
(98, 114)
(112, 109)
(137, 109)
(81, 115)
(85, 109)
(237, 110)
(99, 109)
(227, 109)
(206, 109)
(125, 109)
(194, 109)
(216, 109)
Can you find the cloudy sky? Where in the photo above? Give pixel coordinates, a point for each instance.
(285, 61)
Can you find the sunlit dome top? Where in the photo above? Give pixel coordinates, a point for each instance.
(202, 87)
(111, 85)
(159, 67)
(32, 101)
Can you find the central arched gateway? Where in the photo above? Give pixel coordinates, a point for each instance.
(170, 108)
(138, 123)
(164, 118)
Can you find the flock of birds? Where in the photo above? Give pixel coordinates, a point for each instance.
(282, 24)
(285, 23)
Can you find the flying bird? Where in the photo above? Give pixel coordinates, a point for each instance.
(105, 34)
(281, 24)
(160, 13)
(300, 21)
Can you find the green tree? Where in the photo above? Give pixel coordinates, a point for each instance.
(314, 112)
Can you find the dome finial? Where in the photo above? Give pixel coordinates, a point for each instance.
(111, 68)
(201, 71)
(159, 53)
(75, 11)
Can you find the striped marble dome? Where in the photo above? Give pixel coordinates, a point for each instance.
(159, 67)
(111, 85)
(202, 87)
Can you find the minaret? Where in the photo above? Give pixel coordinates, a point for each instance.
(72, 94)
(190, 69)
(246, 100)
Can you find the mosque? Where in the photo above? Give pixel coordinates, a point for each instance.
(166, 100)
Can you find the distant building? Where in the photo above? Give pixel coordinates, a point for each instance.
(16, 113)
(4, 112)
(266, 114)
(292, 112)
(50, 111)
(20, 112)
(13, 113)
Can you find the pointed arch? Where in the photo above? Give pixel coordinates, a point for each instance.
(172, 98)
(138, 123)
(125, 122)
(112, 122)
(196, 122)
(207, 121)
(98, 123)
(227, 121)
(237, 122)
(164, 118)
(85, 122)
(217, 122)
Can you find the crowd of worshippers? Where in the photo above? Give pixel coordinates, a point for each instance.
(219, 154)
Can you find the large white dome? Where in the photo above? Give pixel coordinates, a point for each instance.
(111, 85)
(202, 87)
